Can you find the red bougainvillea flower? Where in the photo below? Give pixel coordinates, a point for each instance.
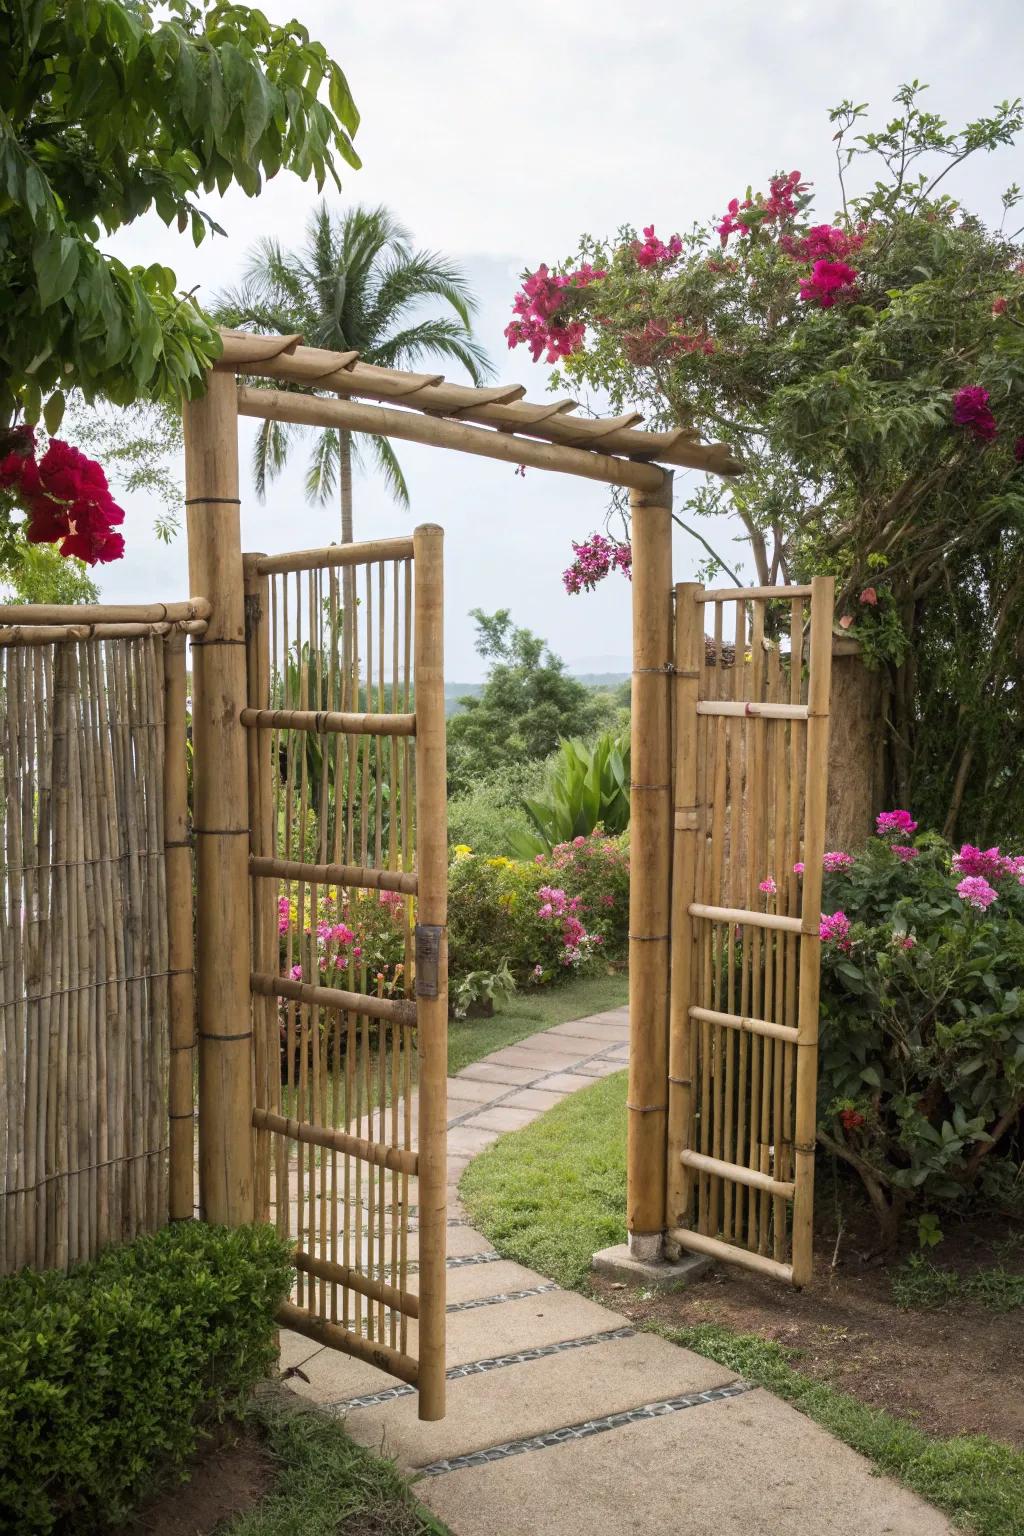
(829, 280)
(66, 497)
(851, 1119)
(870, 597)
(824, 240)
(999, 306)
(971, 409)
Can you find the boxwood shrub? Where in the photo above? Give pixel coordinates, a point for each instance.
(109, 1374)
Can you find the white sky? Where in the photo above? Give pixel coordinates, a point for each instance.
(498, 134)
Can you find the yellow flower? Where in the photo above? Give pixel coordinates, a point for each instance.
(462, 850)
(500, 862)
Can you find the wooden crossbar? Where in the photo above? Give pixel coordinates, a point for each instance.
(46, 634)
(366, 1003)
(355, 1280)
(752, 710)
(334, 1336)
(728, 1253)
(353, 875)
(746, 1026)
(323, 722)
(741, 916)
(381, 1154)
(744, 594)
(104, 613)
(737, 1173)
(333, 555)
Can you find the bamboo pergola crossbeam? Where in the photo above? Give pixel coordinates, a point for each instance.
(103, 613)
(334, 997)
(343, 375)
(325, 722)
(354, 876)
(749, 594)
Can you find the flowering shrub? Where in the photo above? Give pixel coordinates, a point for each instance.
(595, 557)
(65, 495)
(922, 1031)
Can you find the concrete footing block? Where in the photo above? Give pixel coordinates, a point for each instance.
(654, 1274)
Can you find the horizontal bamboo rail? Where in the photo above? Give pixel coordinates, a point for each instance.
(355, 1280)
(47, 634)
(741, 916)
(334, 997)
(323, 722)
(737, 1173)
(745, 594)
(485, 442)
(501, 406)
(334, 1336)
(752, 711)
(333, 555)
(381, 1154)
(746, 1026)
(103, 613)
(352, 875)
(727, 1253)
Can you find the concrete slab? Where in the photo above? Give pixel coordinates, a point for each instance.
(600, 1068)
(535, 1396)
(459, 1108)
(587, 1029)
(489, 1072)
(653, 1274)
(469, 1282)
(502, 1117)
(467, 1143)
(552, 1060)
(566, 1082)
(532, 1098)
(743, 1466)
(468, 1088)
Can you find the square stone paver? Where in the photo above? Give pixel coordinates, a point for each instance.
(534, 1056)
(469, 1088)
(565, 1082)
(584, 1030)
(600, 1068)
(457, 1108)
(489, 1072)
(502, 1117)
(532, 1098)
(466, 1142)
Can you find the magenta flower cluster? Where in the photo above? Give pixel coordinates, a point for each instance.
(895, 825)
(972, 410)
(988, 863)
(595, 557)
(977, 892)
(822, 242)
(653, 252)
(836, 860)
(577, 943)
(537, 305)
(835, 929)
(778, 205)
(828, 281)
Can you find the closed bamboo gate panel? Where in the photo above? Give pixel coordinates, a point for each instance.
(751, 782)
(337, 716)
(84, 950)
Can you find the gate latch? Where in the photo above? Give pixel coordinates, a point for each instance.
(428, 958)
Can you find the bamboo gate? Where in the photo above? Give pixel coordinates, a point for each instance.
(319, 777)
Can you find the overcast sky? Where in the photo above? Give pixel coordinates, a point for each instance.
(498, 133)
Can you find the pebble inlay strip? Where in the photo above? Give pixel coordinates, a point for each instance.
(584, 1430)
(480, 1367)
(492, 1301)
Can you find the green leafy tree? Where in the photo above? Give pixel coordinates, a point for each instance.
(526, 707)
(111, 108)
(36, 573)
(357, 283)
(870, 370)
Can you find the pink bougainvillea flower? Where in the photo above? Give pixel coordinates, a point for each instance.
(595, 557)
(870, 597)
(828, 281)
(903, 853)
(835, 929)
(895, 824)
(798, 869)
(653, 252)
(971, 409)
(836, 860)
(976, 892)
(768, 886)
(539, 323)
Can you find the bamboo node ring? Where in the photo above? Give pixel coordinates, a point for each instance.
(646, 1109)
(649, 938)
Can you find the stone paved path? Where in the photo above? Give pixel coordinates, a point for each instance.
(563, 1419)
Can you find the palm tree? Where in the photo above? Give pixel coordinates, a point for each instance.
(356, 284)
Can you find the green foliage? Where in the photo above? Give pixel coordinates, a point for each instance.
(109, 109)
(478, 992)
(136, 446)
(36, 573)
(490, 810)
(844, 417)
(585, 786)
(108, 1374)
(526, 707)
(357, 284)
(919, 1284)
(922, 1047)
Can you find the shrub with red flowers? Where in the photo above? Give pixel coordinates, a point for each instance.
(883, 445)
(65, 496)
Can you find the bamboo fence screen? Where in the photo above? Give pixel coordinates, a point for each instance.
(95, 981)
(338, 715)
(752, 680)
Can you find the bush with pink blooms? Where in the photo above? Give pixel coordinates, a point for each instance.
(922, 1029)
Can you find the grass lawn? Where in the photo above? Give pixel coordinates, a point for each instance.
(549, 1195)
(530, 1011)
(325, 1485)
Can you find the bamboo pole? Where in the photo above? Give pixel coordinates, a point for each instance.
(45, 634)
(650, 888)
(815, 799)
(334, 555)
(325, 722)
(221, 820)
(431, 1001)
(336, 1337)
(689, 641)
(76, 614)
(729, 1253)
(180, 958)
(349, 875)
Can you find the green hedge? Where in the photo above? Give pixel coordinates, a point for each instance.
(108, 1374)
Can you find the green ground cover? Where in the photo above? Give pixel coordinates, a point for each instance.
(551, 1194)
(529, 1012)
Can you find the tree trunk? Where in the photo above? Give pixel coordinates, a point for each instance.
(345, 484)
(856, 768)
(349, 654)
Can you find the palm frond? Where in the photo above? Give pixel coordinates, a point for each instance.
(270, 453)
(437, 337)
(322, 474)
(390, 469)
(424, 274)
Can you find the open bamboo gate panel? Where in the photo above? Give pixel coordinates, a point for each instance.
(349, 868)
(751, 727)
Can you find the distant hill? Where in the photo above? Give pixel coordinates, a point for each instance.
(453, 692)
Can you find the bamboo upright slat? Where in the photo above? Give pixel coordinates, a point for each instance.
(651, 853)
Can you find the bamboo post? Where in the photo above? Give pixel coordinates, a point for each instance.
(651, 859)
(180, 957)
(688, 827)
(815, 804)
(221, 809)
(431, 921)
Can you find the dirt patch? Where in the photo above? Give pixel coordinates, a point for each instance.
(227, 1478)
(956, 1369)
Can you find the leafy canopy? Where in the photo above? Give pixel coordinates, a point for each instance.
(110, 108)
